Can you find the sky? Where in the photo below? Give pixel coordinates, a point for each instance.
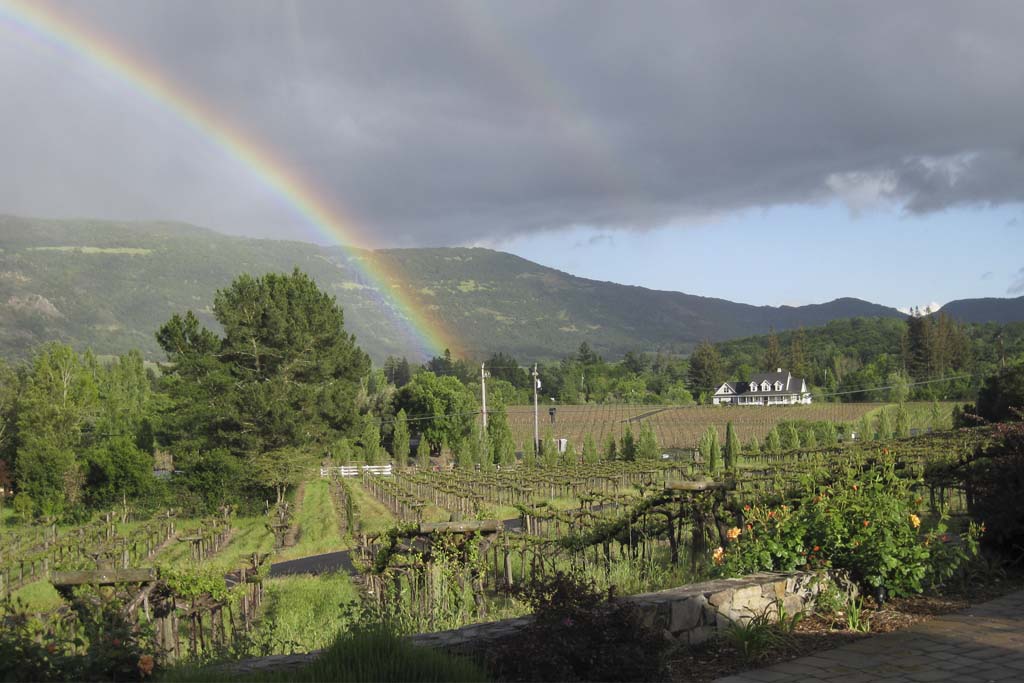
(769, 153)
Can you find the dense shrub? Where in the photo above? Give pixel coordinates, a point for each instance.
(994, 479)
(577, 636)
(1002, 395)
(866, 523)
(94, 642)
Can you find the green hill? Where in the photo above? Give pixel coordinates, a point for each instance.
(109, 285)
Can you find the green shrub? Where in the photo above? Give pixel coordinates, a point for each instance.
(866, 523)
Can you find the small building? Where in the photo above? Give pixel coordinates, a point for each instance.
(766, 389)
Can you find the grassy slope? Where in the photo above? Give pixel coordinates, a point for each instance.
(318, 523)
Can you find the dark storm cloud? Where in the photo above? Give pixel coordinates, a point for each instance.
(441, 123)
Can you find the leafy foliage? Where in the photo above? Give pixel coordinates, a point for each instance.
(866, 523)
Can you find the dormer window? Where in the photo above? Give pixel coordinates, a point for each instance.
(778, 386)
(753, 386)
(765, 386)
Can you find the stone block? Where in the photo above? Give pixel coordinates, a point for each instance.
(701, 634)
(721, 597)
(687, 614)
(743, 596)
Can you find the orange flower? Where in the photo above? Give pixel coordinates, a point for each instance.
(746, 508)
(817, 548)
(719, 555)
(915, 521)
(733, 533)
(785, 508)
(867, 523)
(51, 648)
(856, 487)
(146, 665)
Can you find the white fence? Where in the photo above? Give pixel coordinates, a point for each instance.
(356, 470)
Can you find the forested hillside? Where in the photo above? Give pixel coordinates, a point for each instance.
(108, 286)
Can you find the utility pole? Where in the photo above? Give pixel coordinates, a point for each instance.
(536, 423)
(483, 395)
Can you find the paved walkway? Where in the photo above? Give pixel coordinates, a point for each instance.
(982, 643)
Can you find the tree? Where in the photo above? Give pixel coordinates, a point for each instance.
(902, 424)
(1001, 394)
(284, 377)
(865, 429)
(400, 439)
(280, 470)
(773, 442)
(499, 432)
(373, 452)
(423, 455)
(635, 363)
(590, 455)
(899, 386)
(710, 450)
(628, 447)
(10, 390)
(568, 457)
(790, 437)
(809, 440)
(883, 425)
(797, 358)
(829, 434)
(732, 446)
(57, 406)
(754, 446)
(772, 354)
(397, 371)
(462, 454)
(611, 448)
(647, 447)
(116, 469)
(505, 367)
(935, 419)
(548, 450)
(705, 368)
(447, 407)
(530, 453)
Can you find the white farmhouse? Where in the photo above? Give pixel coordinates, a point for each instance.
(767, 389)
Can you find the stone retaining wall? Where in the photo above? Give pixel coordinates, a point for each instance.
(691, 614)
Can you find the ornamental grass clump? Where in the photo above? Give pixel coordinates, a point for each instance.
(867, 523)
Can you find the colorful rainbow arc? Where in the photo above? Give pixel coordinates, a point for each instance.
(82, 42)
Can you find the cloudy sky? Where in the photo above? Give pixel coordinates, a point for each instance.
(763, 152)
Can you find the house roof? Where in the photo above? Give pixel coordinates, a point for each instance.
(790, 384)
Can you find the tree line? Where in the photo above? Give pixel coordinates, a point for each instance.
(245, 414)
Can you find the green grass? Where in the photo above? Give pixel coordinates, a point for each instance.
(370, 654)
(250, 535)
(318, 523)
(303, 613)
(373, 516)
(40, 596)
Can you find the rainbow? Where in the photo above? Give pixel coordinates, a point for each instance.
(78, 41)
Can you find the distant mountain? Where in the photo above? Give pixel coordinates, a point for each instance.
(987, 310)
(109, 286)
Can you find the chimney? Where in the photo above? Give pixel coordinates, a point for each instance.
(778, 369)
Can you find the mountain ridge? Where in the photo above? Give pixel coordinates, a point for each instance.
(109, 285)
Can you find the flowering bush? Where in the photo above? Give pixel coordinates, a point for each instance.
(867, 523)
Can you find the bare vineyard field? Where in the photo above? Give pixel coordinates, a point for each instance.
(682, 427)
